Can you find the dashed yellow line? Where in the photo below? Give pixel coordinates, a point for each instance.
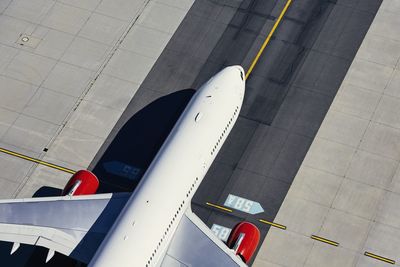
(377, 257)
(277, 225)
(277, 22)
(327, 241)
(38, 161)
(218, 207)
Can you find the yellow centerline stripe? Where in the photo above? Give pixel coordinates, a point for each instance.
(277, 225)
(218, 207)
(371, 255)
(253, 64)
(321, 239)
(38, 161)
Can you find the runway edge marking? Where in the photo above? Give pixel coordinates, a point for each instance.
(377, 257)
(324, 240)
(277, 225)
(218, 207)
(38, 161)
(266, 41)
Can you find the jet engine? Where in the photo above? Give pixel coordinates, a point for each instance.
(83, 182)
(244, 240)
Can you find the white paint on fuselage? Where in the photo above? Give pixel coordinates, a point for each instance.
(143, 230)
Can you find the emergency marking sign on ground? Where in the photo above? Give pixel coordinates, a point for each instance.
(243, 204)
(221, 232)
(122, 169)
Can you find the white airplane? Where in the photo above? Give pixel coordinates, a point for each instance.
(154, 225)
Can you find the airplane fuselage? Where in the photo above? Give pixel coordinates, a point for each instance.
(144, 229)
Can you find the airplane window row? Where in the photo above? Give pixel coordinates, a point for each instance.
(224, 131)
(180, 208)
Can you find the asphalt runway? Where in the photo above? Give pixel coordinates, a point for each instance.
(287, 97)
(287, 94)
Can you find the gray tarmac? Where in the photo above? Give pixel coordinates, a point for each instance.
(287, 94)
(287, 97)
(68, 69)
(342, 207)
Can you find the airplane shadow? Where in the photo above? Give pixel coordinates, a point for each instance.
(119, 169)
(129, 154)
(47, 191)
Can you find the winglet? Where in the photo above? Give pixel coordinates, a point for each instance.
(50, 255)
(15, 247)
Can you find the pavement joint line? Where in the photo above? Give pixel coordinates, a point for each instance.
(327, 241)
(377, 257)
(38, 161)
(277, 225)
(218, 207)
(266, 41)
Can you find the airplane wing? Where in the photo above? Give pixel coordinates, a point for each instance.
(193, 244)
(76, 225)
(71, 225)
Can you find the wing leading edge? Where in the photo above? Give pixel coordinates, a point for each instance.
(73, 226)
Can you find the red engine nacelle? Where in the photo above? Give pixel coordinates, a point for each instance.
(244, 240)
(83, 182)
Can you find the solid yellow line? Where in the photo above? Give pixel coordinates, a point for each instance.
(368, 254)
(277, 225)
(38, 161)
(218, 207)
(330, 242)
(253, 64)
